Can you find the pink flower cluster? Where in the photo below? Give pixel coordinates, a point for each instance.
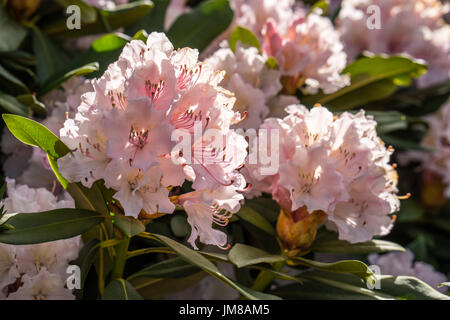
(337, 165)
(128, 129)
(413, 27)
(309, 52)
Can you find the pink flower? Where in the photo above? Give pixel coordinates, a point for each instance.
(401, 264)
(127, 126)
(309, 53)
(206, 207)
(337, 165)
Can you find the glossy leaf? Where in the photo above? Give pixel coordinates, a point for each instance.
(30, 228)
(128, 225)
(355, 267)
(110, 42)
(342, 246)
(251, 216)
(242, 255)
(35, 134)
(107, 20)
(200, 261)
(372, 78)
(199, 27)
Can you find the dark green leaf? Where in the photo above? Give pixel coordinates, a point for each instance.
(242, 255)
(128, 225)
(108, 20)
(11, 33)
(171, 268)
(120, 289)
(11, 104)
(57, 80)
(88, 12)
(152, 21)
(251, 216)
(85, 260)
(344, 266)
(50, 58)
(372, 78)
(30, 228)
(341, 246)
(200, 261)
(199, 27)
(11, 82)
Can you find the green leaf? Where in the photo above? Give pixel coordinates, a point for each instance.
(11, 82)
(30, 228)
(11, 104)
(153, 20)
(341, 246)
(171, 268)
(128, 225)
(89, 198)
(85, 260)
(251, 216)
(111, 41)
(267, 207)
(245, 36)
(57, 80)
(88, 12)
(200, 261)
(333, 284)
(49, 57)
(405, 287)
(372, 78)
(33, 103)
(120, 289)
(199, 27)
(388, 121)
(35, 134)
(355, 267)
(108, 20)
(242, 255)
(11, 33)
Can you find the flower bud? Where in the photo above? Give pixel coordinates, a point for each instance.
(298, 229)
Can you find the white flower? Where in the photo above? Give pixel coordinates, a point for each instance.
(43, 286)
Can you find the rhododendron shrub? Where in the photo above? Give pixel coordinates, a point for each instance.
(225, 149)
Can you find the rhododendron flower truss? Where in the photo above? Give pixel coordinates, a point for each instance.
(337, 165)
(122, 132)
